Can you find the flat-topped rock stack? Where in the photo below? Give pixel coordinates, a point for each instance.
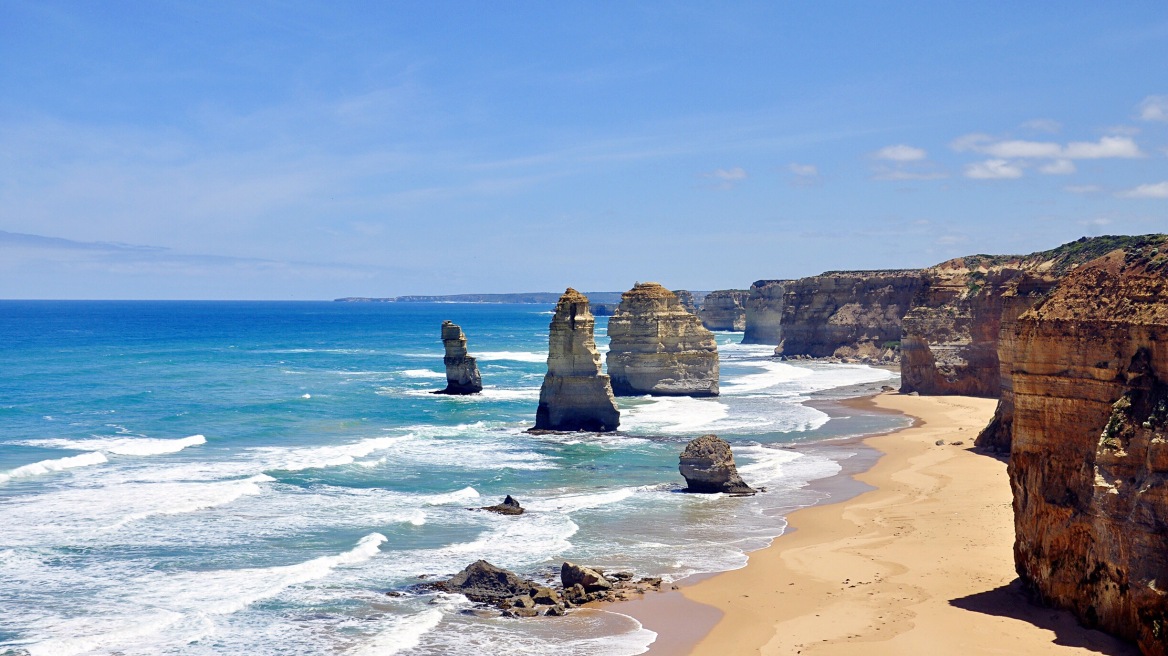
(725, 309)
(658, 347)
(575, 395)
(462, 372)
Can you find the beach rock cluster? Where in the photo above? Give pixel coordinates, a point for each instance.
(1089, 449)
(575, 395)
(707, 464)
(515, 596)
(462, 372)
(725, 309)
(656, 346)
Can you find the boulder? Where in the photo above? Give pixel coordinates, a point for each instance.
(707, 464)
(657, 347)
(589, 580)
(575, 395)
(462, 372)
(509, 507)
(485, 583)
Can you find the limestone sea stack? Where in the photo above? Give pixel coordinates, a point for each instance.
(658, 347)
(708, 466)
(462, 373)
(725, 309)
(1089, 454)
(575, 395)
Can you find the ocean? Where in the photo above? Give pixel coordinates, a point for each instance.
(255, 477)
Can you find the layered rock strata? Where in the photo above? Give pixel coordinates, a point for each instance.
(462, 372)
(850, 314)
(657, 347)
(686, 298)
(707, 464)
(1089, 456)
(725, 309)
(575, 395)
(763, 312)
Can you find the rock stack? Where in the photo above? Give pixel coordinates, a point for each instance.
(462, 373)
(658, 347)
(725, 309)
(575, 395)
(708, 466)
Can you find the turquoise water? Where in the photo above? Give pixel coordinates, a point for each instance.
(189, 477)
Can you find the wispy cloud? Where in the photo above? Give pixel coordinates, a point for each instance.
(804, 175)
(993, 169)
(1043, 125)
(1153, 108)
(725, 179)
(901, 153)
(1156, 190)
(1058, 167)
(1106, 147)
(892, 173)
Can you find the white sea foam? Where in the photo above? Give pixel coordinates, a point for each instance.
(55, 465)
(422, 373)
(569, 503)
(517, 356)
(465, 494)
(774, 373)
(677, 414)
(403, 633)
(123, 446)
(299, 459)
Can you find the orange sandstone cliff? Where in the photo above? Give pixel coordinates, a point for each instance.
(1089, 454)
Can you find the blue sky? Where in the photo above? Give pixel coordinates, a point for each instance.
(302, 151)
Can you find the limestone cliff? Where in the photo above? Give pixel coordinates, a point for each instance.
(686, 298)
(845, 313)
(764, 312)
(657, 347)
(462, 372)
(725, 309)
(1089, 457)
(575, 395)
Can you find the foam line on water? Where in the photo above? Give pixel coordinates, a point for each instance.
(569, 503)
(54, 465)
(422, 373)
(123, 446)
(465, 494)
(403, 633)
(517, 356)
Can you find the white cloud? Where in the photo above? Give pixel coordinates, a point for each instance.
(803, 170)
(1043, 125)
(1154, 108)
(969, 142)
(993, 169)
(1058, 167)
(901, 153)
(1083, 189)
(887, 173)
(1018, 149)
(1157, 190)
(1107, 147)
(728, 175)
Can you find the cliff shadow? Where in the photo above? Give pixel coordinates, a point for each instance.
(1012, 601)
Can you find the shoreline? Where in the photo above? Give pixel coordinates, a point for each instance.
(920, 561)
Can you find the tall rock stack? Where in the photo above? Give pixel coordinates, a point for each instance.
(462, 372)
(725, 309)
(764, 307)
(575, 395)
(1089, 455)
(657, 347)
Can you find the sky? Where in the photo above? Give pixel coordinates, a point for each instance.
(289, 150)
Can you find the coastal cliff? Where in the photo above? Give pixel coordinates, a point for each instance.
(844, 313)
(725, 309)
(1089, 456)
(764, 312)
(575, 395)
(656, 346)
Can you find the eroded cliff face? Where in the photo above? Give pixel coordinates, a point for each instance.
(1089, 456)
(725, 309)
(575, 395)
(657, 347)
(845, 313)
(764, 311)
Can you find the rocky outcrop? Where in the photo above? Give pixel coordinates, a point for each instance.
(657, 347)
(575, 395)
(725, 309)
(685, 298)
(1089, 455)
(708, 466)
(462, 372)
(852, 314)
(589, 579)
(509, 506)
(485, 583)
(764, 308)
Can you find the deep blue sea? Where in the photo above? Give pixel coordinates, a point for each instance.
(253, 477)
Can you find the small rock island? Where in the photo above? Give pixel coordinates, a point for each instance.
(462, 372)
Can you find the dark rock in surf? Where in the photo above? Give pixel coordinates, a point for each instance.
(708, 467)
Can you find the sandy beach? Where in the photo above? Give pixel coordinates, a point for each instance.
(922, 564)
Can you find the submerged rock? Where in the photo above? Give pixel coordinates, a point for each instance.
(575, 395)
(462, 372)
(509, 507)
(658, 347)
(708, 466)
(485, 583)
